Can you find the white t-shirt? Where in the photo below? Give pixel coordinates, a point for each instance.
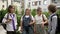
(27, 17)
(39, 19)
(9, 26)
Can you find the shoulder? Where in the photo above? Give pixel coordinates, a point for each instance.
(44, 15)
(6, 14)
(14, 14)
(31, 15)
(54, 17)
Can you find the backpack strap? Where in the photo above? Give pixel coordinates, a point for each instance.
(23, 16)
(29, 16)
(43, 17)
(7, 15)
(52, 16)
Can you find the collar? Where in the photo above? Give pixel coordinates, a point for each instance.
(52, 14)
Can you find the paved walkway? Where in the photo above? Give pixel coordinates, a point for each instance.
(2, 31)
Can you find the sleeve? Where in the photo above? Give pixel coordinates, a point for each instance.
(45, 17)
(54, 24)
(33, 18)
(22, 18)
(16, 19)
(4, 19)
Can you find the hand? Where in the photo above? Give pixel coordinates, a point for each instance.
(21, 30)
(42, 24)
(34, 30)
(30, 23)
(8, 20)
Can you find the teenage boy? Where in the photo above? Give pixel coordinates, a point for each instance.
(52, 23)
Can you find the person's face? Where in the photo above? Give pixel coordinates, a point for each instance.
(39, 12)
(12, 10)
(27, 12)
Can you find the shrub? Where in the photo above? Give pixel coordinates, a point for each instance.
(46, 13)
(33, 12)
(22, 12)
(58, 12)
(2, 14)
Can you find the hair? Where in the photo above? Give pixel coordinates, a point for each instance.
(52, 8)
(10, 6)
(26, 10)
(39, 8)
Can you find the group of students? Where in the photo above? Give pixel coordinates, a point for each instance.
(30, 24)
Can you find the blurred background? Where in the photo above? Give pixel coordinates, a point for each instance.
(21, 5)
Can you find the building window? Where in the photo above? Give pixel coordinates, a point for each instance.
(29, 0)
(16, 1)
(45, 2)
(29, 4)
(54, 1)
(39, 2)
(34, 3)
(4, 0)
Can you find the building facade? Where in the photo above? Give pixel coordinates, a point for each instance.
(6, 3)
(3, 3)
(34, 4)
(56, 2)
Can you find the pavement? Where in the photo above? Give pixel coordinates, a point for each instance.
(2, 30)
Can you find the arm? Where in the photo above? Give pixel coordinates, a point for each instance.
(15, 19)
(5, 20)
(54, 24)
(32, 22)
(46, 20)
(35, 27)
(21, 22)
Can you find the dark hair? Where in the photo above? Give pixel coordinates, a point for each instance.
(27, 9)
(52, 8)
(10, 6)
(38, 9)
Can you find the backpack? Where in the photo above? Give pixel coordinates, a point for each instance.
(2, 14)
(46, 24)
(58, 23)
(3, 24)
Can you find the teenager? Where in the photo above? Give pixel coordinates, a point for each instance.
(27, 22)
(40, 21)
(10, 20)
(52, 20)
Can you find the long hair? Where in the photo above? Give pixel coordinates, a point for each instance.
(26, 10)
